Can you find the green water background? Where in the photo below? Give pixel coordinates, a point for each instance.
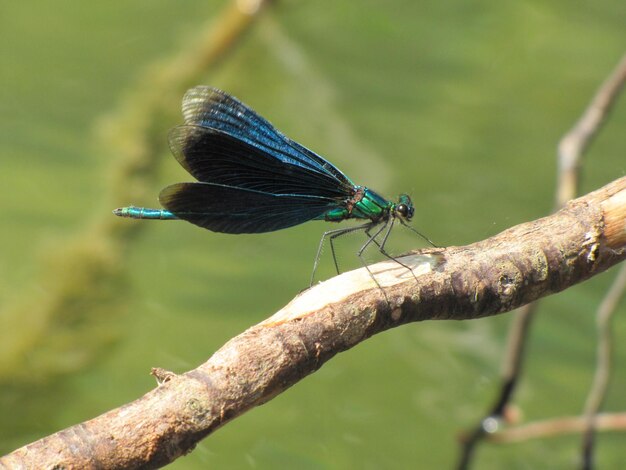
(460, 104)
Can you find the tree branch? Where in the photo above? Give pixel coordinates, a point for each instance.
(496, 275)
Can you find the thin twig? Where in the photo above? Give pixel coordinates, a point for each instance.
(602, 374)
(558, 427)
(512, 367)
(573, 145)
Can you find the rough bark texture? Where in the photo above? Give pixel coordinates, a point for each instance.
(499, 274)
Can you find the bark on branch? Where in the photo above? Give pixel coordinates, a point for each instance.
(496, 275)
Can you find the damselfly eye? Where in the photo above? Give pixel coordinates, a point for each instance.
(402, 210)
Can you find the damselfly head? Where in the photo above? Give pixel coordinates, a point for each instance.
(404, 208)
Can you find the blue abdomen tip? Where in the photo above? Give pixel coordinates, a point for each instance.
(134, 212)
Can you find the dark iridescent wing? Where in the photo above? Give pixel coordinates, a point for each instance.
(211, 108)
(229, 209)
(213, 156)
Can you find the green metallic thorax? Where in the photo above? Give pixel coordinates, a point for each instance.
(365, 204)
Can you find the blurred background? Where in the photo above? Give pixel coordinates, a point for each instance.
(460, 104)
